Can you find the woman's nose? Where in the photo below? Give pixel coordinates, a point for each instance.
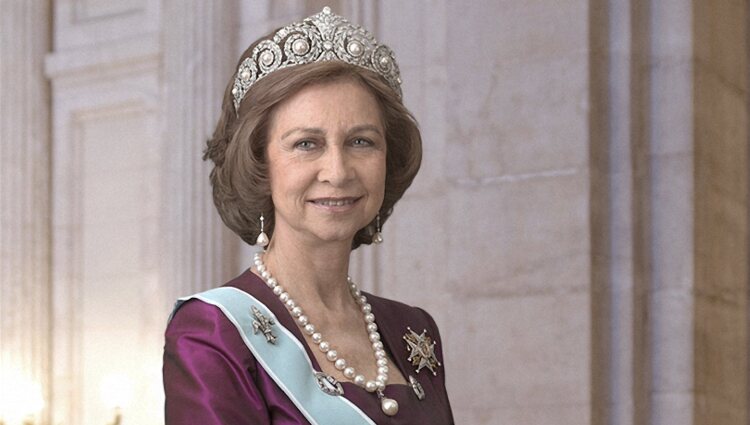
(336, 167)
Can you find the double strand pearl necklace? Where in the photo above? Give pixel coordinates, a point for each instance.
(388, 405)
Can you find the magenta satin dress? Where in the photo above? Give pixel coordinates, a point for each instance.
(212, 378)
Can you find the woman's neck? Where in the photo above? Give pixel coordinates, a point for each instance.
(311, 274)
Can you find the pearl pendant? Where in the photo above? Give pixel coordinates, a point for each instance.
(389, 406)
(262, 239)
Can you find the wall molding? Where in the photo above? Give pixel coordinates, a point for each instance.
(123, 57)
(82, 13)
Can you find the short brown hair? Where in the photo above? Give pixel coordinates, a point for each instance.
(241, 188)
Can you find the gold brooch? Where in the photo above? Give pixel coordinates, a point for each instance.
(422, 351)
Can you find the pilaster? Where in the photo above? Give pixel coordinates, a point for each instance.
(24, 193)
(669, 143)
(199, 56)
(722, 235)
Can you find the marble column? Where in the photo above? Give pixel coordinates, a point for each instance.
(669, 156)
(199, 56)
(722, 239)
(24, 192)
(620, 194)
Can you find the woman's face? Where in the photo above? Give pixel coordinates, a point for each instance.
(327, 162)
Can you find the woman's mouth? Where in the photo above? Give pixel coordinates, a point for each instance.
(335, 204)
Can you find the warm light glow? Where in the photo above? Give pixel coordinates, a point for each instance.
(20, 397)
(117, 390)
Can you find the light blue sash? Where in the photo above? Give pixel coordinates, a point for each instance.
(286, 361)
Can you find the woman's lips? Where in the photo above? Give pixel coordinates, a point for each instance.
(335, 204)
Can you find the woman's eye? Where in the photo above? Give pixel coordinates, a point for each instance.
(361, 142)
(305, 144)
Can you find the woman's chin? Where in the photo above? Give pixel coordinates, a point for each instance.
(335, 238)
(343, 235)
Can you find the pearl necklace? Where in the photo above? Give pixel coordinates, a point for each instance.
(388, 405)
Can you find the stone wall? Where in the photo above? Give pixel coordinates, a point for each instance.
(493, 239)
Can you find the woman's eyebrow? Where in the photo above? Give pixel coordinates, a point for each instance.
(320, 132)
(365, 127)
(313, 130)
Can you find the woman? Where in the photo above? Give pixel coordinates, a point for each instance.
(312, 150)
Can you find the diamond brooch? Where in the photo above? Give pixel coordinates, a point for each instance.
(422, 350)
(263, 325)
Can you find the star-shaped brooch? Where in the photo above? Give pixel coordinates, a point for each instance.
(422, 350)
(263, 324)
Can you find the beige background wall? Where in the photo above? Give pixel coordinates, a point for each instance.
(579, 229)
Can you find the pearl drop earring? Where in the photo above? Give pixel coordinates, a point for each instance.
(378, 236)
(263, 237)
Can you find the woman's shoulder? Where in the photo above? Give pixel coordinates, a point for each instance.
(413, 317)
(392, 305)
(196, 325)
(193, 317)
(191, 308)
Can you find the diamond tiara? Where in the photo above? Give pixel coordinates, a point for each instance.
(324, 36)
